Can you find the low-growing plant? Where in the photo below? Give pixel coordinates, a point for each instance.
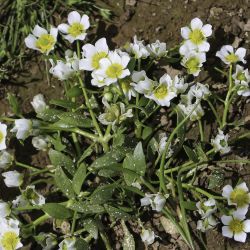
(114, 157)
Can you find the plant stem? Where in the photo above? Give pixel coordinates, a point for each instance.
(20, 164)
(74, 223)
(214, 112)
(47, 71)
(201, 130)
(40, 220)
(227, 101)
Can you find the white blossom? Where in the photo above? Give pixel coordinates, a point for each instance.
(67, 244)
(148, 236)
(220, 143)
(6, 159)
(138, 49)
(23, 128)
(4, 209)
(157, 49)
(206, 208)
(12, 178)
(39, 103)
(40, 142)
(157, 201)
(206, 223)
(3, 133)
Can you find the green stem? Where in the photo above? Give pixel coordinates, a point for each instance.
(105, 240)
(40, 220)
(76, 143)
(227, 101)
(47, 71)
(20, 164)
(201, 130)
(215, 113)
(74, 223)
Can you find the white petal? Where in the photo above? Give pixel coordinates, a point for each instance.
(69, 38)
(145, 201)
(38, 31)
(74, 17)
(241, 237)
(89, 50)
(242, 211)
(53, 32)
(226, 191)
(85, 64)
(196, 23)
(104, 63)
(63, 28)
(205, 46)
(81, 37)
(207, 30)
(241, 52)
(115, 58)
(125, 73)
(125, 60)
(229, 48)
(185, 31)
(101, 45)
(227, 232)
(30, 42)
(243, 186)
(239, 214)
(247, 226)
(226, 219)
(85, 21)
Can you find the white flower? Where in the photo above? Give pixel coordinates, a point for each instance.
(195, 37)
(29, 196)
(206, 208)
(136, 184)
(164, 92)
(113, 68)
(242, 79)
(127, 88)
(9, 234)
(180, 85)
(3, 133)
(207, 223)
(138, 49)
(97, 80)
(93, 54)
(47, 240)
(67, 244)
(40, 39)
(157, 49)
(148, 236)
(39, 103)
(199, 90)
(228, 56)
(195, 108)
(157, 201)
(5, 159)
(40, 142)
(23, 128)
(193, 61)
(141, 83)
(76, 29)
(239, 196)
(220, 143)
(235, 226)
(12, 178)
(4, 209)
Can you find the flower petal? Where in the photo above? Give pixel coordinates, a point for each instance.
(85, 64)
(53, 32)
(196, 23)
(125, 73)
(246, 224)
(243, 186)
(239, 214)
(227, 232)
(241, 237)
(204, 47)
(101, 45)
(85, 21)
(226, 219)
(241, 53)
(38, 31)
(30, 42)
(226, 191)
(207, 30)
(74, 17)
(185, 31)
(63, 28)
(89, 50)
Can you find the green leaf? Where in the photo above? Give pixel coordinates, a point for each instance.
(86, 207)
(63, 103)
(57, 211)
(49, 115)
(81, 244)
(190, 205)
(152, 148)
(128, 239)
(57, 142)
(85, 154)
(131, 64)
(59, 159)
(146, 132)
(128, 163)
(74, 92)
(191, 154)
(14, 105)
(139, 160)
(79, 178)
(117, 213)
(216, 179)
(64, 183)
(118, 139)
(75, 119)
(200, 153)
(102, 194)
(91, 226)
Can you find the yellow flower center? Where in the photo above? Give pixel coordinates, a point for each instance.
(196, 36)
(1, 136)
(236, 226)
(96, 58)
(9, 241)
(240, 197)
(232, 58)
(45, 42)
(76, 29)
(125, 85)
(241, 76)
(161, 91)
(114, 70)
(192, 64)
